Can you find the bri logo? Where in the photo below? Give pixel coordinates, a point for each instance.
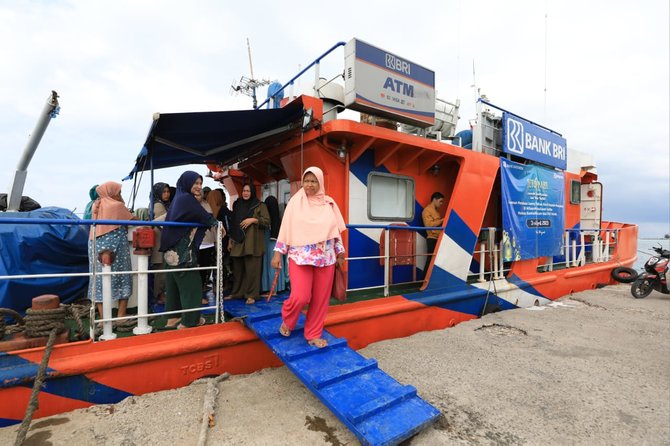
(514, 136)
(534, 140)
(397, 64)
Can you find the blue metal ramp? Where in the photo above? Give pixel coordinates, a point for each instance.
(373, 405)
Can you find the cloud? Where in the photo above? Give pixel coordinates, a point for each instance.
(115, 63)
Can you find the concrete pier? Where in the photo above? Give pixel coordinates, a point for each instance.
(591, 368)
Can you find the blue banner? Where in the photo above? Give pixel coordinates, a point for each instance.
(532, 142)
(533, 201)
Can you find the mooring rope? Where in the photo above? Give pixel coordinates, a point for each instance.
(33, 403)
(12, 328)
(40, 323)
(207, 420)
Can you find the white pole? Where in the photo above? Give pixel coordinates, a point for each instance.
(316, 79)
(494, 267)
(606, 251)
(107, 327)
(567, 249)
(502, 263)
(582, 254)
(482, 262)
(143, 326)
(574, 253)
(387, 261)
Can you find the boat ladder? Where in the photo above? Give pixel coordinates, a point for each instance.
(373, 405)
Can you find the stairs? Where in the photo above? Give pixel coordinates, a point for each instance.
(373, 405)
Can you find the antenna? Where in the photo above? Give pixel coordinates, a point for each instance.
(545, 59)
(247, 86)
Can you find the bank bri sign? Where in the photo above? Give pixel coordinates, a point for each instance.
(532, 142)
(381, 83)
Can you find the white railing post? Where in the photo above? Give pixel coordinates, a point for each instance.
(501, 270)
(567, 249)
(606, 251)
(219, 272)
(387, 261)
(482, 262)
(582, 254)
(143, 326)
(316, 78)
(494, 267)
(107, 327)
(574, 253)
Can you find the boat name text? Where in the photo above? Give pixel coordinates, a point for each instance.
(207, 363)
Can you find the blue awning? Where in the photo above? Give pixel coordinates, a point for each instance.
(177, 139)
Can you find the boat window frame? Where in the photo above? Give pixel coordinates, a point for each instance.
(411, 196)
(575, 191)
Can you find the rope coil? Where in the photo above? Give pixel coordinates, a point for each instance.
(39, 323)
(4, 329)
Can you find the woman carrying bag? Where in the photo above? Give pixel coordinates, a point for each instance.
(310, 235)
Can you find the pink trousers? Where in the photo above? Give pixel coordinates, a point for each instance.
(310, 285)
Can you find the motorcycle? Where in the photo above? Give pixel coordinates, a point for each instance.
(654, 276)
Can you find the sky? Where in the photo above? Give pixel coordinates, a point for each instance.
(595, 71)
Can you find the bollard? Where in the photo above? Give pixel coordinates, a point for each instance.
(106, 257)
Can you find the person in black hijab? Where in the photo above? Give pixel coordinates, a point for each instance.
(249, 220)
(270, 240)
(160, 194)
(180, 246)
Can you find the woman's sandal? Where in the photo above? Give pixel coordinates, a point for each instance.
(250, 301)
(318, 342)
(174, 324)
(201, 322)
(284, 331)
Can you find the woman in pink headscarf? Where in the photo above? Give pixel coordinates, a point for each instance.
(310, 235)
(110, 206)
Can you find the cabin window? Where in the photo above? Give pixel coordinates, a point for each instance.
(575, 192)
(390, 197)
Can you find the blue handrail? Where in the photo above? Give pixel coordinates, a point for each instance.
(56, 221)
(316, 61)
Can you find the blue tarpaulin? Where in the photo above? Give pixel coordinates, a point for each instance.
(178, 139)
(42, 249)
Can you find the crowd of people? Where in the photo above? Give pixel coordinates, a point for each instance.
(259, 248)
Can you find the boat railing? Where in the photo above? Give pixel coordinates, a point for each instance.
(579, 247)
(388, 257)
(316, 63)
(142, 273)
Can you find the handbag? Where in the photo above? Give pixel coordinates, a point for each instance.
(339, 290)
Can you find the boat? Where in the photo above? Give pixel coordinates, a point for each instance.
(522, 224)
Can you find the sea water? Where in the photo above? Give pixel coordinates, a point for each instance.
(644, 250)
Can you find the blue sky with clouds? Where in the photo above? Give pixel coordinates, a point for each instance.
(605, 66)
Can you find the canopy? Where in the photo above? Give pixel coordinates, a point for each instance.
(177, 139)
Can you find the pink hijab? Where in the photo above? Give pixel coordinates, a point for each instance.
(108, 208)
(309, 220)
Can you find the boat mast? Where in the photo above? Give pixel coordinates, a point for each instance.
(50, 110)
